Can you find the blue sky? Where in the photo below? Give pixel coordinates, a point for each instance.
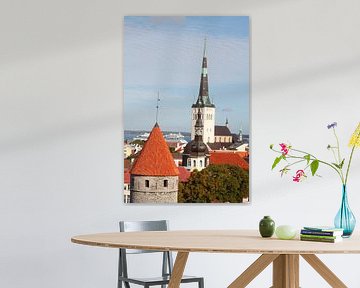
(165, 54)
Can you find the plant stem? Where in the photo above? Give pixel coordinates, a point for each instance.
(348, 168)
(339, 156)
(296, 150)
(320, 161)
(333, 152)
(351, 155)
(312, 159)
(337, 145)
(296, 162)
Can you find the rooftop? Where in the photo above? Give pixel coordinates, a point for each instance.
(222, 131)
(155, 158)
(229, 157)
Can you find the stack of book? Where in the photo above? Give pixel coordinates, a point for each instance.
(321, 234)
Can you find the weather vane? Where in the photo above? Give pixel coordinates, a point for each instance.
(157, 106)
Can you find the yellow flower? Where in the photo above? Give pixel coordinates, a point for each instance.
(355, 138)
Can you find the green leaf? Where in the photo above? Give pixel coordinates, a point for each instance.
(342, 163)
(307, 157)
(271, 146)
(276, 161)
(314, 166)
(336, 165)
(339, 166)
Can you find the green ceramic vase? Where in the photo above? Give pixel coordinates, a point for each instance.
(266, 226)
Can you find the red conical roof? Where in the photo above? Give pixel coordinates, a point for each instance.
(155, 158)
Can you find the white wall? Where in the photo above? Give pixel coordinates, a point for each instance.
(61, 132)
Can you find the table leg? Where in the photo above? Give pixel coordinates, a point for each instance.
(324, 271)
(286, 271)
(178, 269)
(253, 270)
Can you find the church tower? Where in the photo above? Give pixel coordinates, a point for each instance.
(204, 104)
(154, 177)
(196, 153)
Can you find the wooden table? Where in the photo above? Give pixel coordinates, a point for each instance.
(284, 254)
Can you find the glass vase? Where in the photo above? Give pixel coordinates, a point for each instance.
(345, 219)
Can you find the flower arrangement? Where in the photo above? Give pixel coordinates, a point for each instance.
(293, 157)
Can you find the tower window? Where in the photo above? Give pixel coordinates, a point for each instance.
(201, 163)
(166, 183)
(194, 163)
(147, 183)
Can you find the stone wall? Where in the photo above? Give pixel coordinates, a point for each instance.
(157, 192)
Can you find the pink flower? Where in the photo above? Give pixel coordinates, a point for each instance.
(300, 174)
(284, 148)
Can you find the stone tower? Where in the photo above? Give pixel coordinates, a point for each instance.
(204, 104)
(154, 175)
(196, 153)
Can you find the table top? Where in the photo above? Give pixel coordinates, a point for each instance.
(217, 241)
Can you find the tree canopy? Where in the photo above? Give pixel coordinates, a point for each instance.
(215, 184)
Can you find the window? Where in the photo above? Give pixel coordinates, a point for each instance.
(166, 183)
(194, 163)
(147, 183)
(201, 162)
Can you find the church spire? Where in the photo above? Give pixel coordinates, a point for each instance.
(204, 54)
(203, 98)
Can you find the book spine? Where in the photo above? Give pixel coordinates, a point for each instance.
(320, 233)
(318, 239)
(319, 236)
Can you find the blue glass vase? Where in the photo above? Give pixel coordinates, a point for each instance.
(345, 219)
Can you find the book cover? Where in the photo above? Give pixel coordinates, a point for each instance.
(321, 233)
(320, 236)
(325, 240)
(323, 228)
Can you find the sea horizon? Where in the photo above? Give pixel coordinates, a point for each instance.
(130, 134)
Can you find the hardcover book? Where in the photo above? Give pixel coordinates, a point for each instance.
(321, 233)
(325, 240)
(323, 228)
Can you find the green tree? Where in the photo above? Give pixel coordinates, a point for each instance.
(215, 184)
(139, 142)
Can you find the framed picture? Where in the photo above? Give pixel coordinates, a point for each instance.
(186, 106)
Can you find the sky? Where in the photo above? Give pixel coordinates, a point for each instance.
(164, 55)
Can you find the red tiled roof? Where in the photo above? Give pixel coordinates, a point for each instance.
(155, 158)
(183, 174)
(230, 157)
(126, 177)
